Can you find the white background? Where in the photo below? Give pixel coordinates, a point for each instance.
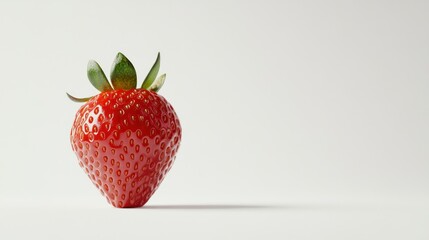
(301, 119)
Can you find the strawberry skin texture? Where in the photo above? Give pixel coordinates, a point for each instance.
(126, 142)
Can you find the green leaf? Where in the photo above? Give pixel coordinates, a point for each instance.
(75, 99)
(152, 73)
(123, 75)
(157, 84)
(97, 77)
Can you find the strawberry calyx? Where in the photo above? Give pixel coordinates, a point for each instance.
(148, 81)
(122, 76)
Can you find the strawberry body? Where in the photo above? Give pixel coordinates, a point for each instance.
(126, 141)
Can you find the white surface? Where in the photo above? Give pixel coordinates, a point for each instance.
(283, 102)
(217, 221)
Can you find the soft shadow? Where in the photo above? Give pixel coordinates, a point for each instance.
(272, 207)
(209, 206)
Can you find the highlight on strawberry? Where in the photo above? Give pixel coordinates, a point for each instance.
(125, 138)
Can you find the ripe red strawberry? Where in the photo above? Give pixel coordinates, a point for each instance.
(125, 138)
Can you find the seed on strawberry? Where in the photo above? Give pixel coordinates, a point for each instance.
(125, 138)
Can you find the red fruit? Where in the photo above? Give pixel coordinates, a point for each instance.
(126, 141)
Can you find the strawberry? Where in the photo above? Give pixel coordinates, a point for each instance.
(125, 138)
